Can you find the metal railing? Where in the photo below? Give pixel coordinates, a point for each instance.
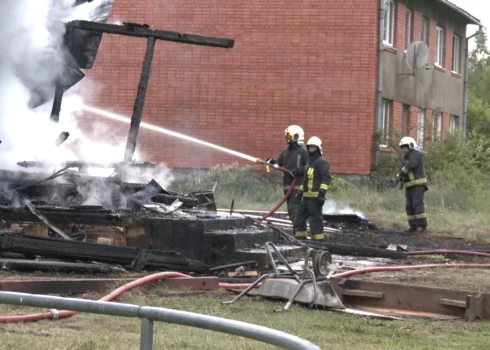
(150, 314)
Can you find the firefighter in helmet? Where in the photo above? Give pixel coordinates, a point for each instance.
(293, 158)
(412, 175)
(315, 185)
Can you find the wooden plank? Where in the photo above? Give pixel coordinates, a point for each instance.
(362, 293)
(451, 302)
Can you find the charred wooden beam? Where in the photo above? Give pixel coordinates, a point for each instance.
(343, 249)
(75, 250)
(53, 266)
(56, 109)
(143, 31)
(140, 100)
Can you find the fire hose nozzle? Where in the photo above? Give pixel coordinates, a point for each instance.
(263, 162)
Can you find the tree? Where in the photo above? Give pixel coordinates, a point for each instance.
(478, 114)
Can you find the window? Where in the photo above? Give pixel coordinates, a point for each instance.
(456, 54)
(437, 126)
(440, 46)
(425, 30)
(389, 22)
(405, 117)
(384, 123)
(408, 28)
(420, 128)
(453, 123)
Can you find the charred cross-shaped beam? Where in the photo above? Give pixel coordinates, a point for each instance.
(143, 31)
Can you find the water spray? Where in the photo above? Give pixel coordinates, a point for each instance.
(124, 119)
(127, 120)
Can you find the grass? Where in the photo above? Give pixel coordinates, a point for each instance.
(461, 211)
(458, 210)
(327, 329)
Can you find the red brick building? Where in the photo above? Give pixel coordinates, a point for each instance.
(312, 63)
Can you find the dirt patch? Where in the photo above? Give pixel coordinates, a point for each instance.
(383, 238)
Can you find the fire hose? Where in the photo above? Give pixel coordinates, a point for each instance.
(55, 314)
(288, 193)
(407, 267)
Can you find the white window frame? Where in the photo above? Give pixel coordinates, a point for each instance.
(420, 127)
(384, 125)
(425, 30)
(437, 126)
(456, 54)
(408, 28)
(453, 123)
(440, 46)
(389, 27)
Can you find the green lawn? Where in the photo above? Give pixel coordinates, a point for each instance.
(327, 329)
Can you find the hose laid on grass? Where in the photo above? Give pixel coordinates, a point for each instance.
(54, 314)
(407, 267)
(448, 252)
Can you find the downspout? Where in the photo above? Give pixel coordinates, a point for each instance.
(465, 85)
(379, 90)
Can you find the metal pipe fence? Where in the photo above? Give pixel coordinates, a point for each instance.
(149, 314)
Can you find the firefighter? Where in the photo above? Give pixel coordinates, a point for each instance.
(412, 175)
(315, 185)
(293, 158)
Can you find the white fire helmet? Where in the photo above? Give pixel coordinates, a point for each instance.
(294, 133)
(315, 141)
(408, 141)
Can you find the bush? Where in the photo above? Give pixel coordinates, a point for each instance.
(247, 185)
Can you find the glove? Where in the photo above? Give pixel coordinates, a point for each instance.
(271, 160)
(299, 195)
(295, 172)
(321, 197)
(398, 177)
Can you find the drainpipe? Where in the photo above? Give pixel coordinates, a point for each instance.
(465, 86)
(379, 90)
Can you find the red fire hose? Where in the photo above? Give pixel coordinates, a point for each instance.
(445, 251)
(407, 267)
(111, 296)
(281, 202)
(286, 196)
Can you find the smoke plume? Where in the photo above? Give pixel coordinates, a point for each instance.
(31, 62)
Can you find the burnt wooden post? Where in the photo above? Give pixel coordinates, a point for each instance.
(140, 100)
(143, 31)
(56, 109)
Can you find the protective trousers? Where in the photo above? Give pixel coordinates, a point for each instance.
(415, 206)
(293, 202)
(310, 208)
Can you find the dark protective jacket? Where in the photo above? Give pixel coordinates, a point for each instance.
(293, 157)
(317, 177)
(412, 169)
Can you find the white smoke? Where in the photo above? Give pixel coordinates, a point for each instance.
(330, 207)
(31, 42)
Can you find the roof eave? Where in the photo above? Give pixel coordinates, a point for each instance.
(470, 19)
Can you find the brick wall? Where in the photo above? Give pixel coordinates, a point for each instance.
(311, 63)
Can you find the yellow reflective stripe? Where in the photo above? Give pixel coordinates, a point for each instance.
(417, 216)
(405, 170)
(295, 187)
(310, 174)
(318, 236)
(301, 234)
(411, 177)
(310, 194)
(324, 187)
(301, 188)
(421, 181)
(298, 160)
